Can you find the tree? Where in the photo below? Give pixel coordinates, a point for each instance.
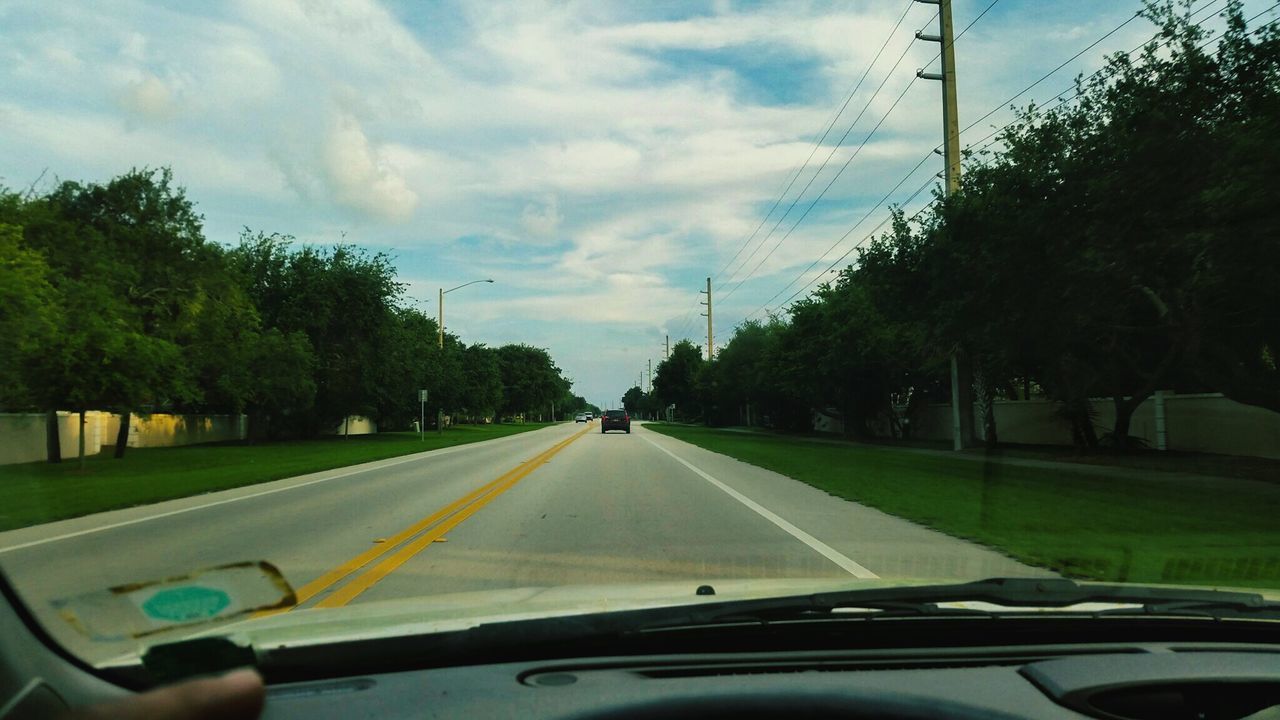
(633, 400)
(531, 382)
(481, 387)
(30, 313)
(675, 381)
(125, 258)
(344, 301)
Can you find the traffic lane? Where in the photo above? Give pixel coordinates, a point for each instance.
(617, 508)
(609, 508)
(889, 546)
(306, 530)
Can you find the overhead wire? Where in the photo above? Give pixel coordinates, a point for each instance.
(795, 201)
(813, 151)
(849, 160)
(1061, 100)
(908, 200)
(685, 322)
(952, 43)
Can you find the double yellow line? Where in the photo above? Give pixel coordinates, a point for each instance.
(436, 525)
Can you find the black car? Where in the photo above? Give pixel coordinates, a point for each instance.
(615, 420)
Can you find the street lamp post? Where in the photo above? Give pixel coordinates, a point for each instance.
(440, 337)
(443, 292)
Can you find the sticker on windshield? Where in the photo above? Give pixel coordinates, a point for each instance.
(138, 609)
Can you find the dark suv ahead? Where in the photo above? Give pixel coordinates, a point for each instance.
(615, 420)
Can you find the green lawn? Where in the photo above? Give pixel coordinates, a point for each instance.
(34, 493)
(1152, 528)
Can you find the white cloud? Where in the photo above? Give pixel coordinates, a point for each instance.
(562, 146)
(542, 220)
(358, 177)
(149, 98)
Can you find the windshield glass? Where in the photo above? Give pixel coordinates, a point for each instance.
(324, 317)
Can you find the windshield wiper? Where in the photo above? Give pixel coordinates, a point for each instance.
(1011, 595)
(647, 629)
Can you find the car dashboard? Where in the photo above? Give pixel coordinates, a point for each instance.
(1120, 681)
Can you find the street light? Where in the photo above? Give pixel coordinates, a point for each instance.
(443, 292)
(440, 339)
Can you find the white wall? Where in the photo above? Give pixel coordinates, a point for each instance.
(1208, 423)
(22, 435)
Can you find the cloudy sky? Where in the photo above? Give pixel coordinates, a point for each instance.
(597, 159)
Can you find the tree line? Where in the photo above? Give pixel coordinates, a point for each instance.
(111, 298)
(1122, 244)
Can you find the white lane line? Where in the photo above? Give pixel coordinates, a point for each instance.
(123, 523)
(814, 543)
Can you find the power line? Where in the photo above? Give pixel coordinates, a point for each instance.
(685, 323)
(972, 22)
(970, 126)
(1049, 74)
(871, 234)
(848, 98)
(1063, 100)
(824, 191)
(846, 164)
(965, 30)
(823, 166)
(849, 232)
(688, 317)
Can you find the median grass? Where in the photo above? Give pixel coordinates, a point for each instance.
(34, 493)
(1122, 526)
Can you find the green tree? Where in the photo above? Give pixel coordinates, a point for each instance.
(675, 380)
(30, 314)
(344, 301)
(634, 400)
(531, 382)
(126, 258)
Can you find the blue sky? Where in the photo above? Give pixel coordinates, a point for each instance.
(598, 160)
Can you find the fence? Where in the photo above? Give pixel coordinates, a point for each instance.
(22, 435)
(1208, 423)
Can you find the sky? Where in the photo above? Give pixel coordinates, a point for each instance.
(598, 160)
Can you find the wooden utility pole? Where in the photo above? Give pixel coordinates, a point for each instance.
(708, 313)
(961, 373)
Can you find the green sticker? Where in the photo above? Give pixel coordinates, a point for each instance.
(186, 603)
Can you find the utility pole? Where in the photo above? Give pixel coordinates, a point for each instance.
(650, 374)
(961, 373)
(710, 335)
(668, 351)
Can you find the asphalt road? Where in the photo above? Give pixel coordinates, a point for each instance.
(565, 505)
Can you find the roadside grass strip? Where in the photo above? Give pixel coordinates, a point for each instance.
(1158, 527)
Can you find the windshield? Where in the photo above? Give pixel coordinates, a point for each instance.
(328, 317)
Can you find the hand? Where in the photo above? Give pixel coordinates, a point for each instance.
(238, 695)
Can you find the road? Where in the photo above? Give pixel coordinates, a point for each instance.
(564, 505)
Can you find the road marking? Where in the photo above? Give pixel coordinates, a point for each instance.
(313, 588)
(488, 493)
(814, 543)
(426, 455)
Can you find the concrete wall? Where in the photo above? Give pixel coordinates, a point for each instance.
(1194, 423)
(22, 436)
(355, 425)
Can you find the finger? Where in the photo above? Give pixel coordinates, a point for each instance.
(235, 696)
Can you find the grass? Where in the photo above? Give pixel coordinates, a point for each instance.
(1127, 527)
(34, 493)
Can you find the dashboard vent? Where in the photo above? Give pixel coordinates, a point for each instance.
(1189, 701)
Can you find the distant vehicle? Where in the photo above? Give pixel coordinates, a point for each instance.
(580, 418)
(615, 420)
(590, 416)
